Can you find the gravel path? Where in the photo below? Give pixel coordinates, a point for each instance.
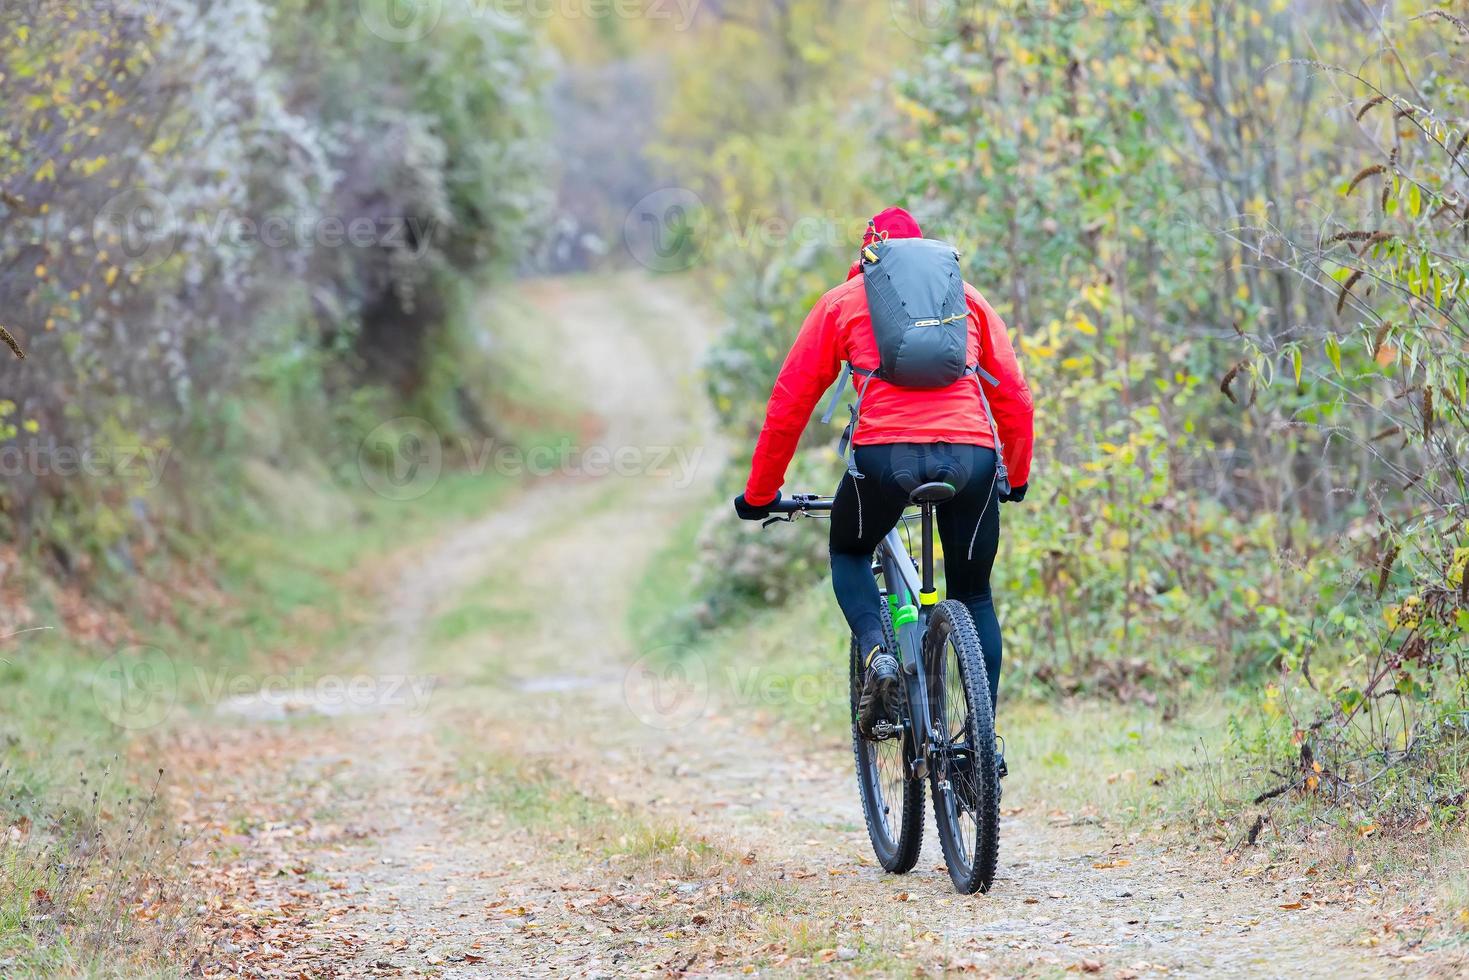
(560, 810)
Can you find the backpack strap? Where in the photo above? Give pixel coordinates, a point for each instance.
(1002, 475)
(845, 448)
(848, 453)
(836, 394)
(988, 378)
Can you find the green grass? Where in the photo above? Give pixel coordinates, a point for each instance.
(476, 616)
(1174, 774)
(289, 596)
(1126, 763)
(666, 586)
(812, 941)
(531, 795)
(260, 594)
(1123, 763)
(792, 665)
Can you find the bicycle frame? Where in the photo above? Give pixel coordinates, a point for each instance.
(921, 736)
(916, 581)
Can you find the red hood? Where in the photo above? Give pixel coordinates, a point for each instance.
(887, 223)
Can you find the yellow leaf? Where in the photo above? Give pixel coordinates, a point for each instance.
(111, 276)
(40, 272)
(1084, 324)
(47, 171)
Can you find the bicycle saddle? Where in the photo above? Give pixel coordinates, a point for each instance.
(932, 493)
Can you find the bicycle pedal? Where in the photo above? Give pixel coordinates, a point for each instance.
(886, 729)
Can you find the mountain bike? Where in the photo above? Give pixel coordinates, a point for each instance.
(945, 731)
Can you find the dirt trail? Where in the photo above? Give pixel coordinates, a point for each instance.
(657, 832)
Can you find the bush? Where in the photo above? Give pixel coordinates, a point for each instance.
(198, 199)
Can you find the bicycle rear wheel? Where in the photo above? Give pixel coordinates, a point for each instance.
(963, 767)
(892, 800)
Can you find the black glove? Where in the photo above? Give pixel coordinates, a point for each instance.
(749, 512)
(1015, 495)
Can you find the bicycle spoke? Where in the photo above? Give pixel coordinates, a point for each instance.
(891, 800)
(963, 787)
(889, 758)
(965, 795)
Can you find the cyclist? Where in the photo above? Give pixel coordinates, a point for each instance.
(903, 437)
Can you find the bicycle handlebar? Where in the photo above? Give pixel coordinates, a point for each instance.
(796, 505)
(800, 503)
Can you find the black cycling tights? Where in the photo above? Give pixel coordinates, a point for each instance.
(969, 527)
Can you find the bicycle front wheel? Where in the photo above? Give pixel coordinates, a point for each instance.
(963, 766)
(892, 800)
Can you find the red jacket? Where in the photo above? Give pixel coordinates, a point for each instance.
(838, 329)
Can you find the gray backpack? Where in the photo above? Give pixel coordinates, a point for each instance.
(915, 297)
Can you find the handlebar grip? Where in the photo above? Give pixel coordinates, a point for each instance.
(801, 502)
